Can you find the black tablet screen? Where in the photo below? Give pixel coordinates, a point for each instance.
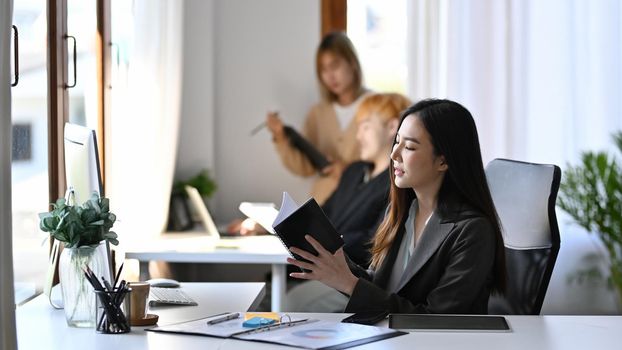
(449, 322)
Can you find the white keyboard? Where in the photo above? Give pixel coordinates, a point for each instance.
(169, 296)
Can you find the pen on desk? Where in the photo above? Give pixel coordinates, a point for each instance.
(273, 326)
(224, 318)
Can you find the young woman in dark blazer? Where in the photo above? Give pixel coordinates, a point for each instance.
(439, 248)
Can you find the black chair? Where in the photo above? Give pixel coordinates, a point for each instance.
(524, 195)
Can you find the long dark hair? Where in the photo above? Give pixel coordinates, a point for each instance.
(454, 135)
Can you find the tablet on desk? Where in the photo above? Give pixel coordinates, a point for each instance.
(476, 323)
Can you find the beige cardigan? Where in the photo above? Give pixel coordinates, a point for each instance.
(322, 129)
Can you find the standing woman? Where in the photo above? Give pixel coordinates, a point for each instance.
(439, 248)
(329, 125)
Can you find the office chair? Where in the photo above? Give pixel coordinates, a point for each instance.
(524, 195)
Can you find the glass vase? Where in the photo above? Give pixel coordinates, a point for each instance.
(78, 296)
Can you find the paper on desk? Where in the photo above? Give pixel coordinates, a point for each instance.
(304, 333)
(200, 327)
(262, 213)
(323, 334)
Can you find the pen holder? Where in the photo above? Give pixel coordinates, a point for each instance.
(112, 311)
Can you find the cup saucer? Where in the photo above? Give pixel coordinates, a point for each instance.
(149, 320)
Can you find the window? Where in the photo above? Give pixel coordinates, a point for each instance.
(378, 30)
(29, 167)
(122, 18)
(83, 98)
(40, 105)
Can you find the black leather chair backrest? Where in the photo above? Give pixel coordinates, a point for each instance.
(524, 195)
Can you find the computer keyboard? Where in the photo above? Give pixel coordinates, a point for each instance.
(169, 296)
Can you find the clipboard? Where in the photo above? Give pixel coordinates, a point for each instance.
(227, 329)
(316, 158)
(296, 332)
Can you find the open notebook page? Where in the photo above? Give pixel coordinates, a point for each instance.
(288, 206)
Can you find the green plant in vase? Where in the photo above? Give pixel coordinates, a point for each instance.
(591, 193)
(84, 230)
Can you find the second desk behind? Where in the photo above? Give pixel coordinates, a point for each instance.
(199, 248)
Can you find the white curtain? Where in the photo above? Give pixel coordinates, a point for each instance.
(143, 130)
(543, 79)
(7, 300)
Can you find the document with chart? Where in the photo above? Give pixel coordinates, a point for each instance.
(317, 334)
(298, 332)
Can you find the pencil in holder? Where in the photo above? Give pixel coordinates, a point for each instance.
(112, 311)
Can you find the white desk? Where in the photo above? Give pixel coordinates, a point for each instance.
(197, 248)
(528, 332)
(39, 326)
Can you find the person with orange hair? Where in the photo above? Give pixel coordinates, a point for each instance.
(357, 206)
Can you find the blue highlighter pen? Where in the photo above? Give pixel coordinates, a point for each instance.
(257, 322)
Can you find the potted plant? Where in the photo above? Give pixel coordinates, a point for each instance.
(179, 218)
(203, 182)
(84, 230)
(591, 193)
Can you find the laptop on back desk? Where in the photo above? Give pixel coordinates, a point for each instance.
(196, 201)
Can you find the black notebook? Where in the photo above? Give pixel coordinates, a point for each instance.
(294, 222)
(316, 158)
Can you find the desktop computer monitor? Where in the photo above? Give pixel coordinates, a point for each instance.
(82, 171)
(83, 175)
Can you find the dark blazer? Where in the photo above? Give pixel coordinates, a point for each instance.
(356, 209)
(450, 270)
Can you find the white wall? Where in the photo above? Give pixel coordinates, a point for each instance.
(241, 59)
(196, 139)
